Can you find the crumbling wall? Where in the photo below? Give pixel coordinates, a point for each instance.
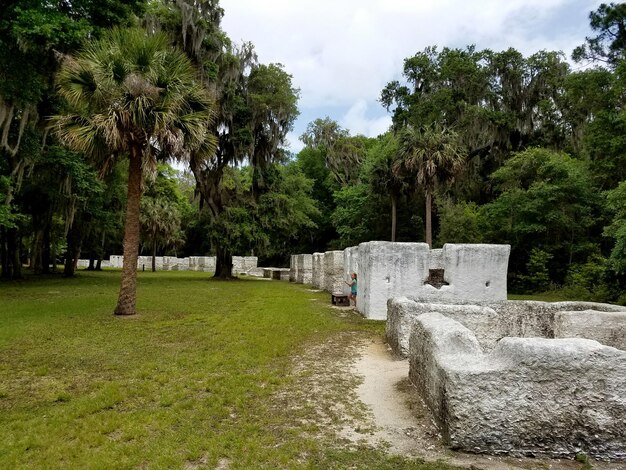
(389, 269)
(304, 269)
(491, 321)
(243, 264)
(537, 396)
(292, 268)
(318, 271)
(333, 272)
(476, 272)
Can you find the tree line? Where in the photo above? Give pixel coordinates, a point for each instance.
(492, 147)
(97, 100)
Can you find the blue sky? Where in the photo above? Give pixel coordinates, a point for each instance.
(341, 53)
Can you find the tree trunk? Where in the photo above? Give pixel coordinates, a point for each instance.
(13, 249)
(46, 254)
(223, 263)
(73, 251)
(429, 222)
(394, 203)
(4, 255)
(128, 289)
(92, 263)
(154, 255)
(99, 264)
(36, 255)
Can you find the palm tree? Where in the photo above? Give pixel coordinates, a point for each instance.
(383, 178)
(131, 95)
(432, 155)
(160, 223)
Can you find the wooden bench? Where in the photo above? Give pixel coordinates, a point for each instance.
(341, 300)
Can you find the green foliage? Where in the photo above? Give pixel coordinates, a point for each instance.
(459, 223)
(546, 201)
(609, 22)
(590, 280)
(616, 205)
(358, 215)
(537, 277)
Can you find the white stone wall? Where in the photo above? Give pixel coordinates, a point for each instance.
(350, 265)
(489, 322)
(318, 271)
(544, 397)
(202, 263)
(116, 261)
(299, 269)
(292, 268)
(389, 269)
(333, 272)
(307, 269)
(476, 272)
(243, 264)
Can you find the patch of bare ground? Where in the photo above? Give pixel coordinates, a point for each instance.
(351, 391)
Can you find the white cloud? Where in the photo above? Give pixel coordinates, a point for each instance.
(342, 53)
(357, 122)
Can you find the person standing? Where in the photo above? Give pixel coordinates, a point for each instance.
(353, 287)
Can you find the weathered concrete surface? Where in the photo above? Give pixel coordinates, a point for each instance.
(387, 270)
(476, 272)
(350, 265)
(299, 269)
(318, 271)
(304, 269)
(292, 268)
(241, 264)
(402, 312)
(604, 323)
(544, 397)
(280, 274)
(333, 272)
(608, 328)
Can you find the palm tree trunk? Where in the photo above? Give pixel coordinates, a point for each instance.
(429, 222)
(153, 253)
(394, 203)
(128, 290)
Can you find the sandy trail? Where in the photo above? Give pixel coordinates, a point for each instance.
(401, 422)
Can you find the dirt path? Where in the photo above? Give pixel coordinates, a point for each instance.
(399, 420)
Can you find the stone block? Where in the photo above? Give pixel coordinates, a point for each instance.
(389, 269)
(402, 313)
(280, 274)
(317, 275)
(528, 396)
(471, 272)
(300, 269)
(333, 272)
(242, 264)
(307, 269)
(491, 321)
(292, 268)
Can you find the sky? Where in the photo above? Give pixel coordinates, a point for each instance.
(341, 53)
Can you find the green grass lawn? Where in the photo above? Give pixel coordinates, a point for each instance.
(190, 382)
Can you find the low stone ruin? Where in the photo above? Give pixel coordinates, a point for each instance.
(517, 377)
(391, 269)
(241, 264)
(333, 272)
(317, 274)
(519, 318)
